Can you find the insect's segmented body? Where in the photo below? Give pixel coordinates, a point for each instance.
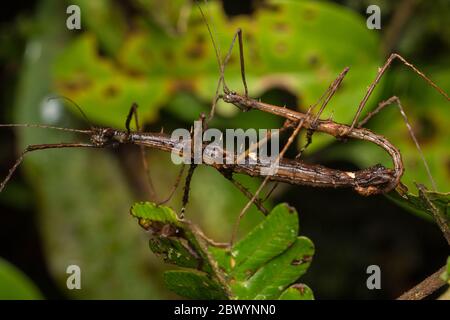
(368, 181)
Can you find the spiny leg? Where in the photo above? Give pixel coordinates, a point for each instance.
(37, 147)
(329, 93)
(133, 113)
(238, 35)
(221, 81)
(380, 73)
(288, 124)
(270, 192)
(246, 192)
(187, 187)
(396, 100)
(221, 64)
(256, 146)
(174, 188)
(193, 165)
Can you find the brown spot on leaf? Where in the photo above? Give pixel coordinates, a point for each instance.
(281, 26)
(182, 85)
(282, 47)
(290, 209)
(136, 74)
(197, 50)
(297, 262)
(313, 60)
(145, 223)
(300, 287)
(111, 91)
(77, 83)
(309, 14)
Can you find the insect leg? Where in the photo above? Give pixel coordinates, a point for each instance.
(380, 73)
(174, 188)
(246, 192)
(266, 179)
(133, 113)
(36, 147)
(329, 93)
(187, 188)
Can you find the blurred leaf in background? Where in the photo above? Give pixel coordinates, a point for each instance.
(82, 197)
(149, 65)
(14, 285)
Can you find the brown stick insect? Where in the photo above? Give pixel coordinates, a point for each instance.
(313, 123)
(373, 180)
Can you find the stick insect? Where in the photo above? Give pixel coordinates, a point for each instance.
(289, 170)
(373, 180)
(313, 123)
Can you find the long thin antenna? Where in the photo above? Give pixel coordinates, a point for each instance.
(219, 62)
(74, 103)
(43, 126)
(211, 35)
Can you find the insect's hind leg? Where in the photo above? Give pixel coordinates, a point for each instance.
(246, 192)
(324, 99)
(222, 64)
(380, 73)
(395, 100)
(237, 35)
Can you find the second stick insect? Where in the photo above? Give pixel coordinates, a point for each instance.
(313, 123)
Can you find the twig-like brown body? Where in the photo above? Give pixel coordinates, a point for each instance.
(335, 129)
(373, 180)
(369, 181)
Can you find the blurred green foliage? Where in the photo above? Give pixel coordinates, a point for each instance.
(150, 64)
(14, 285)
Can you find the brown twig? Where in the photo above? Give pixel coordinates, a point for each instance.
(425, 288)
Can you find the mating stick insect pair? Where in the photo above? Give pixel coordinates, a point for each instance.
(373, 180)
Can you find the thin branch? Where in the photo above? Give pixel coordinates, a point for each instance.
(426, 287)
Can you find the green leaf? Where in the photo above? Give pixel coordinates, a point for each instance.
(446, 274)
(103, 90)
(275, 276)
(176, 241)
(106, 19)
(194, 285)
(261, 266)
(297, 292)
(426, 203)
(271, 237)
(148, 213)
(15, 285)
